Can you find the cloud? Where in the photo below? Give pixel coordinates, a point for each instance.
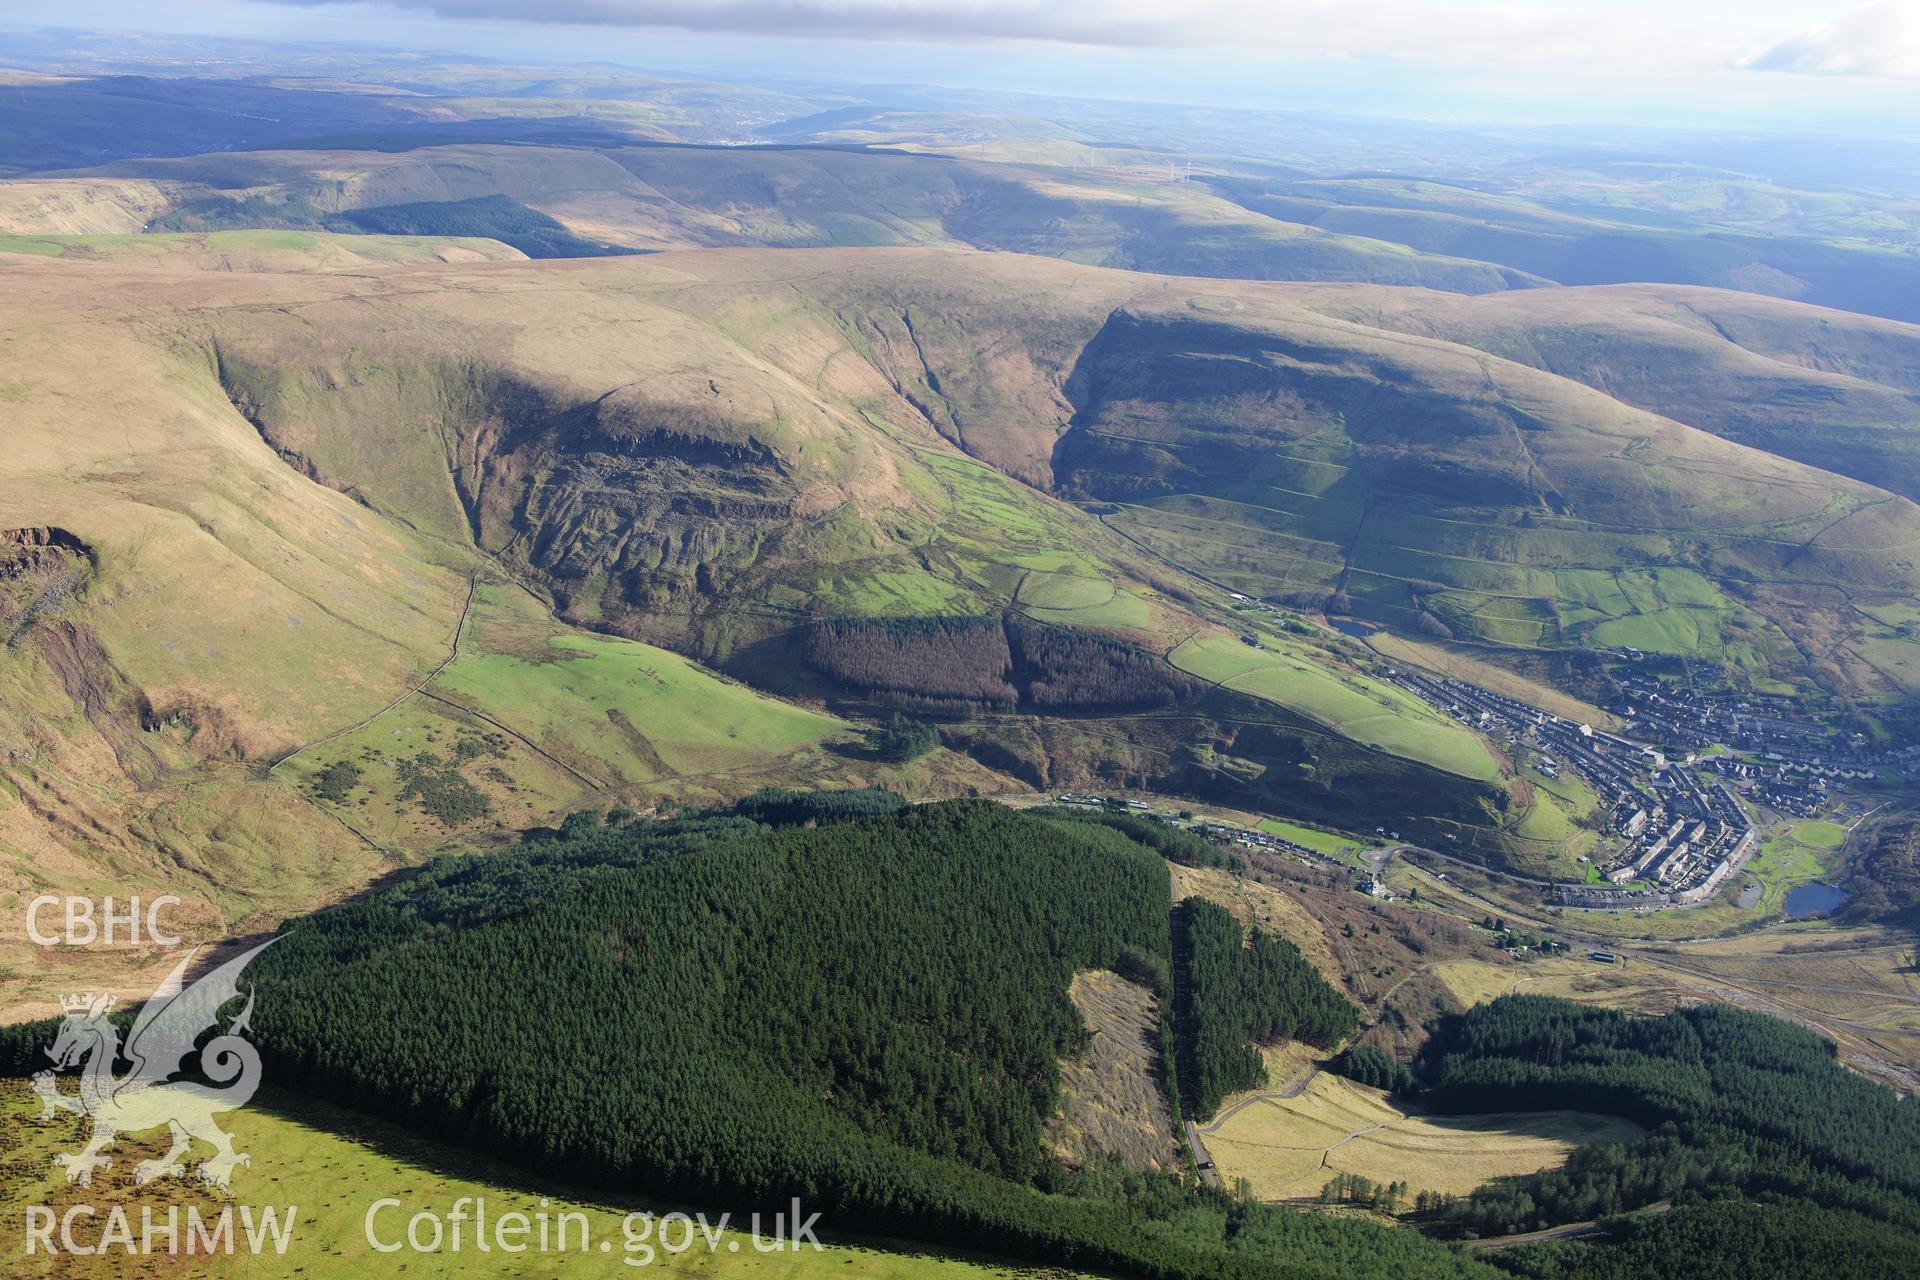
(1874, 40)
(1479, 31)
(1092, 22)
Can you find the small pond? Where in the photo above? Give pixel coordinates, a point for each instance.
(1810, 900)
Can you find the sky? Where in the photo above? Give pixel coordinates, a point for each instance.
(1713, 63)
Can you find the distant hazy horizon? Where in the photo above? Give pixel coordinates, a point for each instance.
(1774, 65)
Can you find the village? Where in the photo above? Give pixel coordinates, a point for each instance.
(1678, 828)
(1678, 794)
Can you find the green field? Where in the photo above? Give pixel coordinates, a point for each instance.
(1003, 539)
(533, 719)
(1551, 825)
(1361, 708)
(890, 593)
(981, 500)
(1820, 835)
(332, 1165)
(1065, 591)
(676, 716)
(1676, 631)
(1494, 595)
(1071, 599)
(1319, 841)
(1122, 613)
(977, 542)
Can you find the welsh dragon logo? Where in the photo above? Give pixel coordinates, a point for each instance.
(163, 1036)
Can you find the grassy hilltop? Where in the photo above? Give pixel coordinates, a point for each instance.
(1832, 390)
(1236, 432)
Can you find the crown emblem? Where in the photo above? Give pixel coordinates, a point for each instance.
(85, 1002)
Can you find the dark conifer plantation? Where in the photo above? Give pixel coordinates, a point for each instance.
(1373, 1066)
(1233, 993)
(970, 664)
(1757, 1136)
(865, 1014)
